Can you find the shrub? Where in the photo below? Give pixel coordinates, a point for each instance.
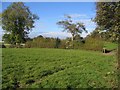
(28, 44)
(63, 44)
(88, 44)
(41, 43)
(12, 46)
(78, 45)
(95, 44)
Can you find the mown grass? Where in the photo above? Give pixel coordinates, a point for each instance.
(57, 68)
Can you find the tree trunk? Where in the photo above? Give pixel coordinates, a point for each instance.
(118, 51)
(118, 58)
(72, 40)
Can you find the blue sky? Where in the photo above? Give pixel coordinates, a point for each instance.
(51, 12)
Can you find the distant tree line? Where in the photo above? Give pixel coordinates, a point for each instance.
(90, 43)
(43, 42)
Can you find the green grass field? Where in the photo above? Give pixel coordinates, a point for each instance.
(57, 68)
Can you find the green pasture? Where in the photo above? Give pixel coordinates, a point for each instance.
(57, 68)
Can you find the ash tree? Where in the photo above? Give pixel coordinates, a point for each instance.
(75, 28)
(17, 22)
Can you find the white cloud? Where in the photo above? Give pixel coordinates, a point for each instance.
(78, 15)
(61, 35)
(84, 18)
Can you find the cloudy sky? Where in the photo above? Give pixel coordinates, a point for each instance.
(51, 12)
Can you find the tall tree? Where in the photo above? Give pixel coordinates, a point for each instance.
(108, 18)
(17, 22)
(72, 27)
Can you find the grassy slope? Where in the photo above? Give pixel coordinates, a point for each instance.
(110, 46)
(57, 68)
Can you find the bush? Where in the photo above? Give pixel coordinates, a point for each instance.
(12, 46)
(90, 43)
(78, 45)
(63, 44)
(95, 44)
(41, 43)
(46, 43)
(28, 44)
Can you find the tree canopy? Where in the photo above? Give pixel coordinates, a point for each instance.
(72, 27)
(108, 18)
(17, 22)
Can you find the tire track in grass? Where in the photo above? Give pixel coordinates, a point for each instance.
(48, 73)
